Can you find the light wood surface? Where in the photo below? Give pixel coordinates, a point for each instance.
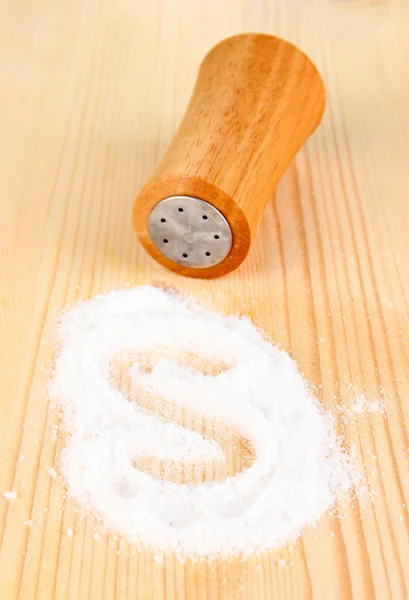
(92, 94)
(256, 100)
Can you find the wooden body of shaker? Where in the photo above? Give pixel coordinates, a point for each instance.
(256, 100)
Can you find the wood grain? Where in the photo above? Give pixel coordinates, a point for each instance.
(92, 96)
(256, 100)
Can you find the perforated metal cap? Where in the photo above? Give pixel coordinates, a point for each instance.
(190, 231)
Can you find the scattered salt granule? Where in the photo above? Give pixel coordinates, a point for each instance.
(10, 495)
(52, 472)
(29, 523)
(70, 532)
(158, 558)
(361, 404)
(298, 472)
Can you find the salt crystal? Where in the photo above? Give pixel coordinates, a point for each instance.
(29, 523)
(10, 495)
(70, 532)
(260, 395)
(52, 472)
(362, 404)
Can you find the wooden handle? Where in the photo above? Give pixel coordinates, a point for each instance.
(256, 100)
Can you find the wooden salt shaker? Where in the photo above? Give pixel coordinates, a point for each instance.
(256, 100)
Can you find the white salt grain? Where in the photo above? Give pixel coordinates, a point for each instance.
(29, 523)
(362, 404)
(10, 495)
(360, 407)
(299, 471)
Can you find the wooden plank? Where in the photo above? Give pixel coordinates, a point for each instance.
(92, 94)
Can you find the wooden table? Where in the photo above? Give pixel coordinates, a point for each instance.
(91, 94)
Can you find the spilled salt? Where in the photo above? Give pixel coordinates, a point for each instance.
(298, 472)
(362, 404)
(29, 523)
(10, 495)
